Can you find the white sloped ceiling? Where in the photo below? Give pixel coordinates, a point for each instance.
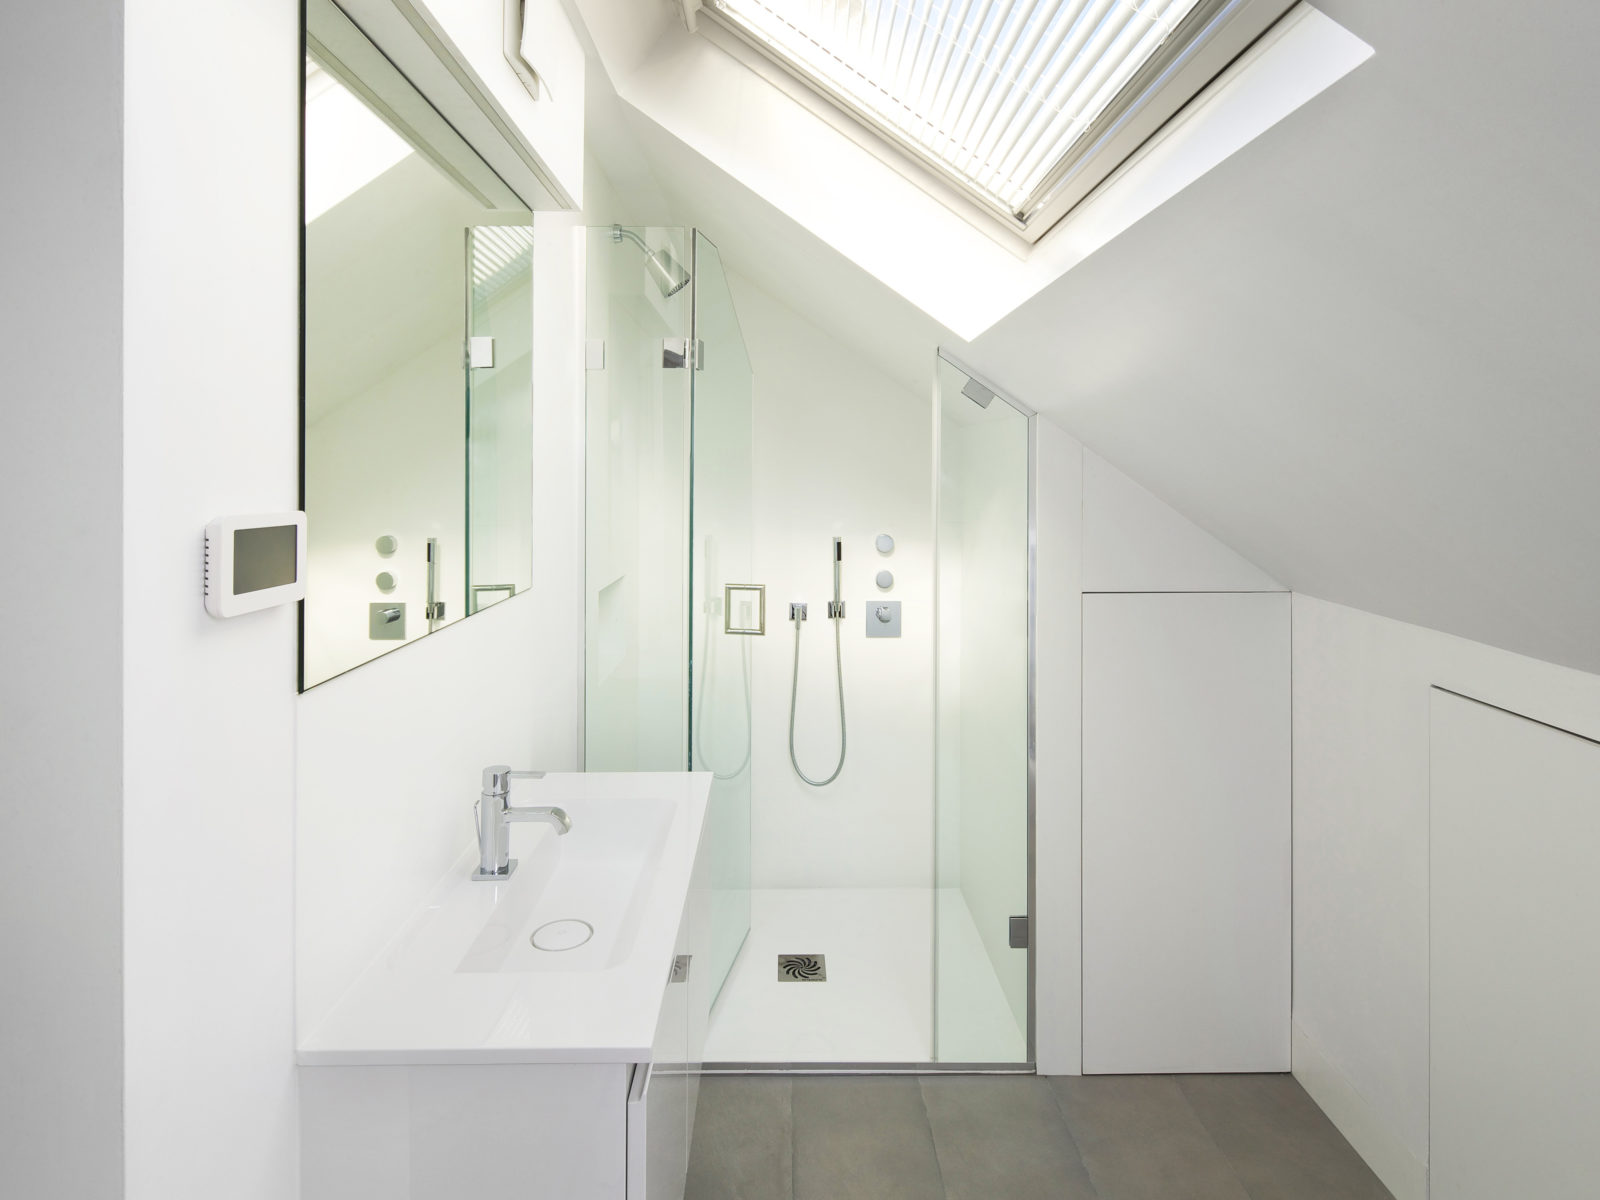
(1359, 351)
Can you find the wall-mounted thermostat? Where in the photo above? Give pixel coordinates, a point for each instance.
(254, 562)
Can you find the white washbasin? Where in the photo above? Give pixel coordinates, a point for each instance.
(599, 873)
(462, 983)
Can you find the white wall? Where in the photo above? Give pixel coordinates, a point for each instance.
(1136, 542)
(840, 450)
(61, 468)
(1361, 708)
(210, 183)
(390, 754)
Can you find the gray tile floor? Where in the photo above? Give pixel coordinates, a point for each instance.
(966, 1137)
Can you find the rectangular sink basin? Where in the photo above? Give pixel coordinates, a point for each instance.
(462, 982)
(598, 876)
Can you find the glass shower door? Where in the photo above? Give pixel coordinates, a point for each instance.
(721, 542)
(981, 773)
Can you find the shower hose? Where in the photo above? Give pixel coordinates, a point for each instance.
(794, 695)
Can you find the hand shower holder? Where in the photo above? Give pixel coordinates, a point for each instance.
(836, 610)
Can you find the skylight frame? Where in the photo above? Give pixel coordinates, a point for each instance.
(1201, 46)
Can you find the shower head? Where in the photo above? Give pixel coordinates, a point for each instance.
(667, 274)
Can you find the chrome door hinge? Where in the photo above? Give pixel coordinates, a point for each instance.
(680, 969)
(676, 352)
(1019, 933)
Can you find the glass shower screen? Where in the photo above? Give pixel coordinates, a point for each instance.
(981, 771)
(668, 529)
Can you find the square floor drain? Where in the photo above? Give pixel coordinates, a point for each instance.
(802, 968)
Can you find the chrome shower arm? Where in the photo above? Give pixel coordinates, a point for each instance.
(618, 233)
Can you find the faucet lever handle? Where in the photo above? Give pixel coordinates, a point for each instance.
(497, 779)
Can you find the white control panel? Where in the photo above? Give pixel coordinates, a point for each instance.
(254, 562)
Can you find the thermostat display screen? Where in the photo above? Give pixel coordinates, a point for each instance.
(263, 557)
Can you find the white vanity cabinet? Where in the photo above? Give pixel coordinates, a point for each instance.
(665, 1091)
(453, 1070)
(538, 1131)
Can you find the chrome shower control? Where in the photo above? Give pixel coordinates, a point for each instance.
(886, 580)
(885, 543)
(883, 619)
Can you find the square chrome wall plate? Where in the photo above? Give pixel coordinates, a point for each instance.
(744, 609)
(883, 618)
(386, 621)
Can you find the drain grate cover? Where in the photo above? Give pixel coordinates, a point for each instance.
(802, 968)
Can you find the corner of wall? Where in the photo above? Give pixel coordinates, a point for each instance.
(1401, 1171)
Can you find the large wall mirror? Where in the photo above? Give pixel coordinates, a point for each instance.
(418, 327)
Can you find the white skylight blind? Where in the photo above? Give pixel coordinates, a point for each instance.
(999, 94)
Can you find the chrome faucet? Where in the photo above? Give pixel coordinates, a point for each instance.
(495, 815)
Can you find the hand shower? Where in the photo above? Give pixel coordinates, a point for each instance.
(797, 614)
(836, 609)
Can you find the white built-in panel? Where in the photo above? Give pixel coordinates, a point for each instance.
(1186, 833)
(1134, 541)
(1514, 1088)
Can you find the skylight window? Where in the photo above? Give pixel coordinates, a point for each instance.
(1024, 104)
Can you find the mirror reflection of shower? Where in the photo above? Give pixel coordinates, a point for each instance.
(797, 614)
(664, 272)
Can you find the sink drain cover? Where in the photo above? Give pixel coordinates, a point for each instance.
(566, 934)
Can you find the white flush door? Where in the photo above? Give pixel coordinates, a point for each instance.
(1514, 972)
(1186, 850)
